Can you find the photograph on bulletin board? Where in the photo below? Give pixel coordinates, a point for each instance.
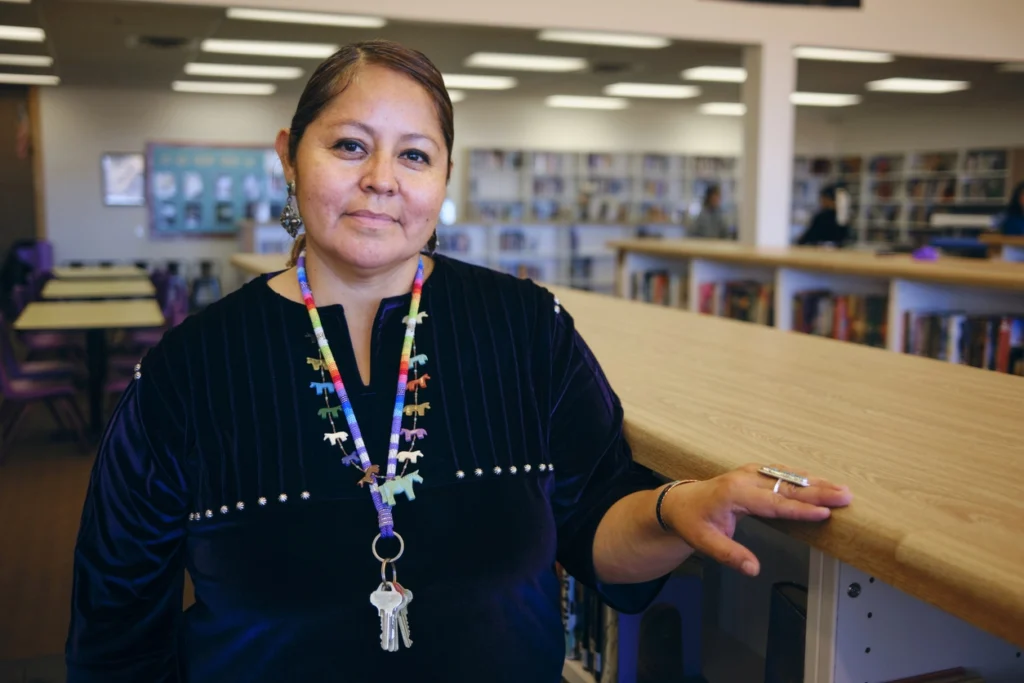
(202, 190)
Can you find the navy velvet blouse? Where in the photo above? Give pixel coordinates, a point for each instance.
(217, 462)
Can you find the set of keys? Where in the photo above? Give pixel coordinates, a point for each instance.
(392, 602)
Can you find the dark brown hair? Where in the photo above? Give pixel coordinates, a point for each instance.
(332, 77)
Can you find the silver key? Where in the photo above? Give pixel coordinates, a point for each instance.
(387, 601)
(403, 617)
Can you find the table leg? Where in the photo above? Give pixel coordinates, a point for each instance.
(96, 348)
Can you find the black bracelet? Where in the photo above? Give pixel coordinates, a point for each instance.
(661, 498)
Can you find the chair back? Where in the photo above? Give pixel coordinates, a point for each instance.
(8, 360)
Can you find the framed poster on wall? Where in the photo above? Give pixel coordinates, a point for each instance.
(207, 190)
(124, 179)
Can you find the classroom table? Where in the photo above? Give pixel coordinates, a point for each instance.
(98, 272)
(95, 318)
(923, 570)
(257, 264)
(124, 288)
(1005, 247)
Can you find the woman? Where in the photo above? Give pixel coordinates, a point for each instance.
(710, 223)
(1013, 219)
(251, 448)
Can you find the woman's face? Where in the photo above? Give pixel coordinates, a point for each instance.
(371, 171)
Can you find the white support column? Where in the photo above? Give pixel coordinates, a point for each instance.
(767, 181)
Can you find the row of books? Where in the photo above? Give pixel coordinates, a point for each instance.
(583, 618)
(857, 318)
(746, 300)
(991, 342)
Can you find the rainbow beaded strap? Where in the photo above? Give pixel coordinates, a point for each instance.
(385, 519)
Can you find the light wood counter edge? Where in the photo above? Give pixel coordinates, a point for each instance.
(945, 271)
(872, 537)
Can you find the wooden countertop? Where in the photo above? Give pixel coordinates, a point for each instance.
(1001, 239)
(125, 288)
(947, 270)
(89, 315)
(933, 452)
(257, 264)
(87, 272)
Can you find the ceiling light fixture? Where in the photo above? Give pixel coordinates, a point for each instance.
(601, 38)
(723, 108)
(716, 74)
(283, 73)
(831, 54)
(929, 86)
(29, 79)
(266, 48)
(517, 62)
(652, 90)
(26, 60)
(17, 2)
(1012, 67)
(223, 88)
(577, 102)
(26, 34)
(456, 96)
(314, 18)
(476, 82)
(824, 99)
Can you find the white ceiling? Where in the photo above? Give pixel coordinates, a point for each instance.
(103, 44)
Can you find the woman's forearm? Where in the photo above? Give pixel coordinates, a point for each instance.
(630, 546)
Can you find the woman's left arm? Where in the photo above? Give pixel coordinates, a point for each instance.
(631, 546)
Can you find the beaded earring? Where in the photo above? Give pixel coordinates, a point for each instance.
(291, 221)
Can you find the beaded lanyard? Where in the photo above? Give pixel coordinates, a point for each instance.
(384, 516)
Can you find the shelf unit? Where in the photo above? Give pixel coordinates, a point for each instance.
(537, 186)
(563, 254)
(889, 298)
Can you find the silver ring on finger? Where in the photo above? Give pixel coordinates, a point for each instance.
(778, 483)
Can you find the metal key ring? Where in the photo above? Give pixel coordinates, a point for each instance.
(384, 571)
(401, 549)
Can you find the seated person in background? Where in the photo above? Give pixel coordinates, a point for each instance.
(825, 227)
(710, 223)
(1013, 219)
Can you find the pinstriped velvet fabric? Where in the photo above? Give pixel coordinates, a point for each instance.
(225, 459)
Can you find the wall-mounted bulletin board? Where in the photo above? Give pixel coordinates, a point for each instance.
(207, 190)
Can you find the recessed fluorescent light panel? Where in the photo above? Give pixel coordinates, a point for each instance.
(930, 86)
(281, 73)
(25, 34)
(829, 54)
(1012, 67)
(824, 99)
(215, 88)
(716, 74)
(266, 48)
(29, 79)
(723, 108)
(475, 82)
(514, 62)
(652, 90)
(26, 60)
(576, 102)
(456, 96)
(17, 2)
(600, 38)
(313, 18)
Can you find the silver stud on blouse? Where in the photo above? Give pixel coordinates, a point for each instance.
(283, 498)
(138, 375)
(551, 468)
(558, 305)
(191, 516)
(460, 475)
(223, 509)
(513, 469)
(497, 470)
(305, 495)
(527, 468)
(262, 501)
(240, 505)
(478, 472)
(138, 367)
(209, 513)
(542, 467)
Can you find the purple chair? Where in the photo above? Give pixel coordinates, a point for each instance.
(20, 395)
(61, 344)
(36, 369)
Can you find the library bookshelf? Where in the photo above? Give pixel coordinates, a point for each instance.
(951, 309)
(921, 572)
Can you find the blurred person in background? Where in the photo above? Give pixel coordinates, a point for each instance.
(711, 223)
(825, 227)
(1013, 219)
